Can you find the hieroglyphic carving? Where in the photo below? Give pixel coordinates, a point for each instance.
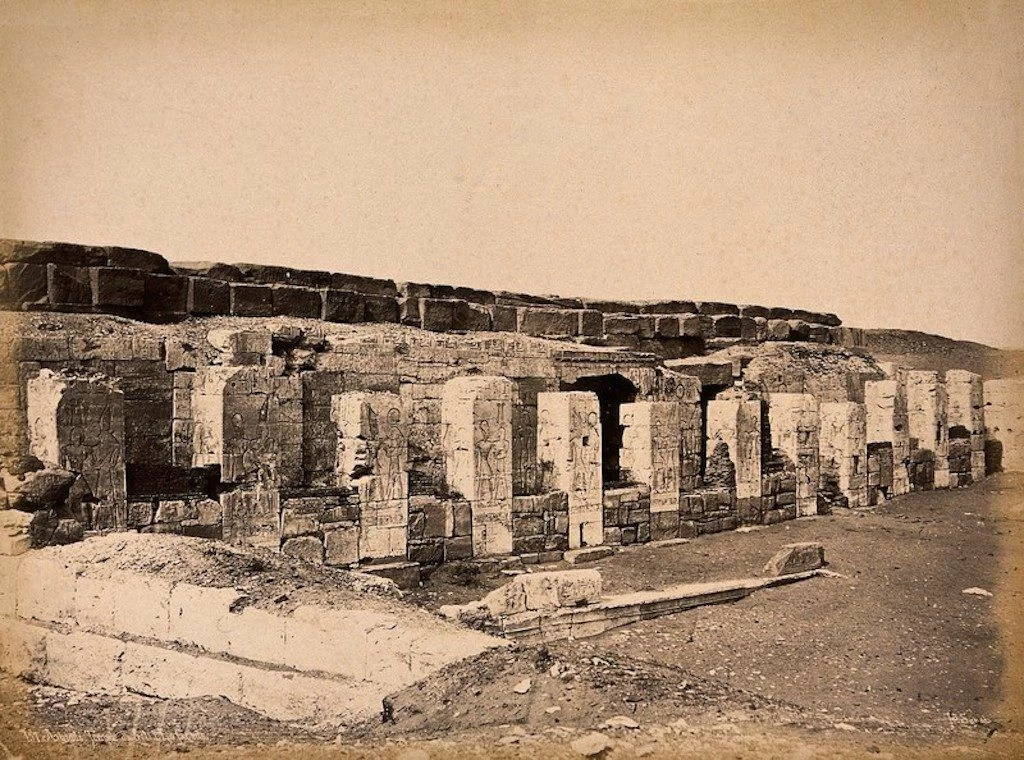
(650, 450)
(372, 457)
(476, 417)
(569, 452)
(77, 423)
(737, 423)
(248, 420)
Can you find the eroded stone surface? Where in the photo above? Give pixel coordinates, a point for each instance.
(796, 558)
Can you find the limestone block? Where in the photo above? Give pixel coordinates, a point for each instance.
(569, 453)
(9, 585)
(251, 515)
(83, 662)
(796, 558)
(341, 545)
(95, 601)
(794, 422)
(476, 419)
(737, 423)
(544, 591)
(196, 612)
(289, 696)
(843, 448)
(157, 672)
(46, 589)
(77, 422)
(332, 641)
(650, 451)
(22, 649)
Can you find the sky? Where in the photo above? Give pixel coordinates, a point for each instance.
(860, 158)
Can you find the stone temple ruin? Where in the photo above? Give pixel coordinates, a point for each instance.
(359, 422)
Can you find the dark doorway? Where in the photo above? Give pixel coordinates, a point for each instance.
(612, 392)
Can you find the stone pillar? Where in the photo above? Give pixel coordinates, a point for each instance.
(926, 410)
(650, 450)
(965, 408)
(1004, 424)
(476, 419)
(372, 454)
(885, 405)
(843, 449)
(248, 420)
(569, 454)
(76, 422)
(686, 395)
(737, 423)
(793, 418)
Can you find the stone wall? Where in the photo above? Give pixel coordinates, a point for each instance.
(144, 285)
(381, 443)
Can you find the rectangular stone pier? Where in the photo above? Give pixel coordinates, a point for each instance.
(965, 408)
(650, 450)
(737, 423)
(793, 418)
(372, 458)
(926, 410)
(885, 407)
(569, 455)
(844, 450)
(476, 419)
(248, 420)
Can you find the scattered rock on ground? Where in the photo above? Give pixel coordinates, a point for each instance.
(975, 591)
(592, 745)
(796, 558)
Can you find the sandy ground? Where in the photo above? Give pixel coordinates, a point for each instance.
(891, 660)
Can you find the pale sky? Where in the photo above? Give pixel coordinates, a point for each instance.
(861, 158)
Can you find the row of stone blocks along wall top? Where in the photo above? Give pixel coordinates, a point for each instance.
(766, 459)
(143, 285)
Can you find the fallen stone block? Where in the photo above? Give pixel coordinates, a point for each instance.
(406, 575)
(587, 554)
(22, 648)
(796, 558)
(195, 614)
(83, 662)
(164, 673)
(46, 589)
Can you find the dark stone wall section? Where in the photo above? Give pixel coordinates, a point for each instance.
(143, 285)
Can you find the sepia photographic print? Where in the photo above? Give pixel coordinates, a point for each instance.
(529, 379)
